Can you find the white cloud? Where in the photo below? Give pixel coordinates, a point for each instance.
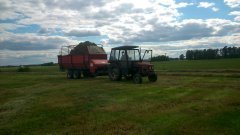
(215, 9)
(9, 26)
(183, 4)
(83, 32)
(11, 41)
(23, 57)
(237, 18)
(232, 3)
(206, 4)
(235, 13)
(174, 49)
(183, 30)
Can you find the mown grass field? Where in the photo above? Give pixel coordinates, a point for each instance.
(190, 97)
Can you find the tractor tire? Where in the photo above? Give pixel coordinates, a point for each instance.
(85, 74)
(76, 74)
(70, 74)
(137, 78)
(114, 74)
(152, 77)
(128, 77)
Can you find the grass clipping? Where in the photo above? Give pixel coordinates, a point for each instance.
(83, 48)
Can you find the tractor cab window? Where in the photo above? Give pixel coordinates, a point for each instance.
(123, 56)
(133, 55)
(114, 55)
(147, 55)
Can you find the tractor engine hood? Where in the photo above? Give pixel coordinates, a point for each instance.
(144, 64)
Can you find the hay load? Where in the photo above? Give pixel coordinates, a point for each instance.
(87, 47)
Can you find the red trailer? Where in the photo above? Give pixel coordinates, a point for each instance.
(90, 61)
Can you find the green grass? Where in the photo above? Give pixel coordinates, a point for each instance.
(224, 64)
(49, 69)
(43, 101)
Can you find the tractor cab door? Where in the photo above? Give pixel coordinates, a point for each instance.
(123, 59)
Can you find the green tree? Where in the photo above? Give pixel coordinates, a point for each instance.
(181, 57)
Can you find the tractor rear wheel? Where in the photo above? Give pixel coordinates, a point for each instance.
(152, 77)
(137, 78)
(114, 74)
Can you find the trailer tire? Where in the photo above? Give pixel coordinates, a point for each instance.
(76, 74)
(70, 74)
(137, 78)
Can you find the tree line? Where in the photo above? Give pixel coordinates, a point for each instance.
(225, 52)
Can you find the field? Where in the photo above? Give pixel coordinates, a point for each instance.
(190, 97)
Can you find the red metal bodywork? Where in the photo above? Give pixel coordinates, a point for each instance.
(90, 62)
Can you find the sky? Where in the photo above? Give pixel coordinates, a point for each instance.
(33, 31)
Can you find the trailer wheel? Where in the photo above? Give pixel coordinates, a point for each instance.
(137, 78)
(76, 74)
(114, 74)
(152, 77)
(70, 74)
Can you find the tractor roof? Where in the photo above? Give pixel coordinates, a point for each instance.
(125, 47)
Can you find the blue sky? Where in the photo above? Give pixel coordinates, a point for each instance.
(32, 32)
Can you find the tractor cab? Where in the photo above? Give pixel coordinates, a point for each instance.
(131, 62)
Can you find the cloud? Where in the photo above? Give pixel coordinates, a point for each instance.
(23, 57)
(232, 3)
(183, 30)
(237, 14)
(206, 4)
(9, 26)
(46, 31)
(32, 42)
(237, 18)
(215, 9)
(83, 33)
(183, 4)
(174, 49)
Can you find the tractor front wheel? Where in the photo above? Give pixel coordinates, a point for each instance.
(152, 77)
(85, 74)
(137, 78)
(114, 74)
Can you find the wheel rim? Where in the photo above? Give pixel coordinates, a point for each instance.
(137, 79)
(114, 74)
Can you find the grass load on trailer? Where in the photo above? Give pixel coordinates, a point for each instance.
(86, 58)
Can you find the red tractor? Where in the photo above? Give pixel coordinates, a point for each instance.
(130, 62)
(86, 60)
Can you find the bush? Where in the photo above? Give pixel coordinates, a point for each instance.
(23, 69)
